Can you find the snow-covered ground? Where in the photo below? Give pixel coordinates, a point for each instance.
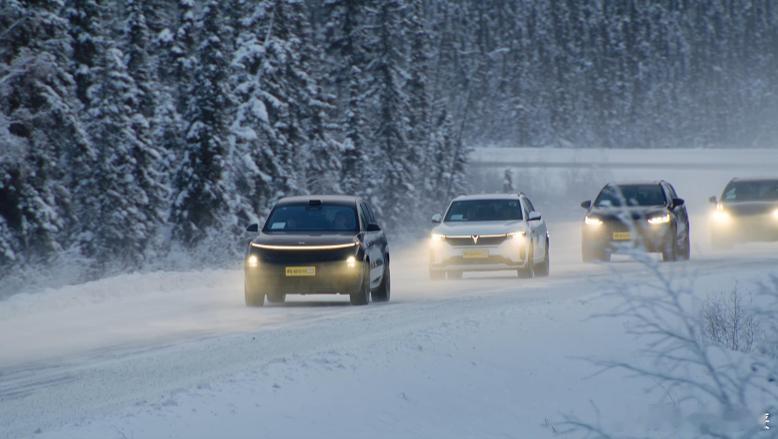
(178, 355)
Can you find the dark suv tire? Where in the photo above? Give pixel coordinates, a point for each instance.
(384, 291)
(362, 295)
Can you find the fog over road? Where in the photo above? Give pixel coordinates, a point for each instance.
(179, 355)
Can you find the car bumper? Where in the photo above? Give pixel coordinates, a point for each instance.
(618, 238)
(506, 256)
(329, 278)
(747, 229)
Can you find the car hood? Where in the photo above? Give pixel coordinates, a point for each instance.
(479, 228)
(304, 239)
(633, 212)
(746, 208)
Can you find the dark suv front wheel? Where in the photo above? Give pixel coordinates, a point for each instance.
(254, 296)
(384, 291)
(362, 295)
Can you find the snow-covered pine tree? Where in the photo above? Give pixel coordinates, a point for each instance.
(180, 59)
(447, 179)
(124, 216)
(281, 75)
(321, 165)
(83, 17)
(347, 57)
(419, 106)
(394, 155)
(199, 207)
(46, 157)
(136, 36)
(144, 94)
(255, 167)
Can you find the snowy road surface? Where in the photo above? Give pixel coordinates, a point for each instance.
(178, 355)
(491, 356)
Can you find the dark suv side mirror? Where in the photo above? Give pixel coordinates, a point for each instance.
(253, 228)
(586, 204)
(677, 202)
(373, 227)
(712, 200)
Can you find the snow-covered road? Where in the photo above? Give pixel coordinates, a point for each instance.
(178, 355)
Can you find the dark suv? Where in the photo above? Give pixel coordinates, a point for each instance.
(628, 216)
(318, 245)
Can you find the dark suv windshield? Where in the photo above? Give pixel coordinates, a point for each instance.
(632, 194)
(484, 210)
(763, 190)
(304, 217)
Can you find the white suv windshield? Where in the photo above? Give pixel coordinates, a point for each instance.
(484, 210)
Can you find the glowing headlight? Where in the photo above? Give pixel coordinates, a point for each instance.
(721, 216)
(592, 221)
(252, 261)
(351, 262)
(436, 237)
(517, 236)
(775, 214)
(661, 219)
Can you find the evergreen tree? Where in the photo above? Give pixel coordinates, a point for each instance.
(46, 157)
(199, 190)
(321, 167)
(83, 17)
(257, 168)
(136, 34)
(177, 60)
(348, 57)
(395, 153)
(420, 132)
(125, 215)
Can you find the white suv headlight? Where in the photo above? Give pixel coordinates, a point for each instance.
(517, 236)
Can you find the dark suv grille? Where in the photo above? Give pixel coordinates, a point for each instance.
(469, 241)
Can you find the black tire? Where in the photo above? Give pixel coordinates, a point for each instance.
(254, 297)
(528, 272)
(276, 297)
(685, 252)
(437, 275)
(544, 269)
(454, 274)
(384, 291)
(669, 251)
(362, 295)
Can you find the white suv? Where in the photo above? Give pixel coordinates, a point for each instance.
(489, 233)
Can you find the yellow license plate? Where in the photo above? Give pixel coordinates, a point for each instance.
(300, 271)
(475, 253)
(621, 236)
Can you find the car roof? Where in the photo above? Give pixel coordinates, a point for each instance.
(755, 179)
(635, 182)
(339, 199)
(489, 197)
